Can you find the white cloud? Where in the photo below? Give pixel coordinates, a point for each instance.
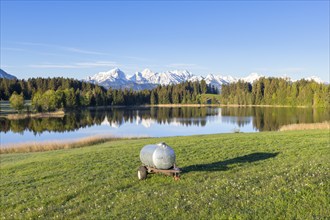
(53, 66)
(98, 64)
(137, 58)
(185, 66)
(291, 70)
(80, 65)
(70, 49)
(77, 50)
(5, 66)
(12, 49)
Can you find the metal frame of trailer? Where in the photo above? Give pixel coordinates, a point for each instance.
(143, 171)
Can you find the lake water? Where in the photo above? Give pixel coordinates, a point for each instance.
(155, 122)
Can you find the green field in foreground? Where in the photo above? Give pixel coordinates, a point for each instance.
(270, 175)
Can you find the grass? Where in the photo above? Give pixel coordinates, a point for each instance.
(303, 126)
(270, 175)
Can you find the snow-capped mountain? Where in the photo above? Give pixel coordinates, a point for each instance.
(252, 77)
(5, 75)
(109, 76)
(147, 79)
(114, 78)
(218, 81)
(315, 78)
(166, 78)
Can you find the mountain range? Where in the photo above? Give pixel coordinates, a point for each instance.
(148, 79)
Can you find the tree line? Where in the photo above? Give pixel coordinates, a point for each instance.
(49, 94)
(276, 91)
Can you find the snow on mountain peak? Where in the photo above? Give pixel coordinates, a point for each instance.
(110, 75)
(315, 78)
(147, 79)
(5, 75)
(143, 77)
(252, 77)
(147, 72)
(217, 80)
(163, 78)
(182, 73)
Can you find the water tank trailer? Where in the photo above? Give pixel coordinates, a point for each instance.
(158, 158)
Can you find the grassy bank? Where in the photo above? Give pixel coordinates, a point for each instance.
(277, 175)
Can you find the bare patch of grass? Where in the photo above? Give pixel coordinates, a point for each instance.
(56, 145)
(311, 126)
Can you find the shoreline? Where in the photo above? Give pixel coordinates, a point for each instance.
(198, 105)
(226, 105)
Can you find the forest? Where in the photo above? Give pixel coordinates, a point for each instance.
(50, 94)
(276, 91)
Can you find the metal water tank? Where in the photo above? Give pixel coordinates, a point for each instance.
(160, 156)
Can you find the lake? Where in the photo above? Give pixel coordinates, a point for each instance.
(155, 122)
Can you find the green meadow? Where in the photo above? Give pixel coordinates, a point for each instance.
(267, 175)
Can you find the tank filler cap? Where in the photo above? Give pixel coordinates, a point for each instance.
(163, 144)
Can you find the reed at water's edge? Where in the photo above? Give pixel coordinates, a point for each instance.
(305, 126)
(56, 145)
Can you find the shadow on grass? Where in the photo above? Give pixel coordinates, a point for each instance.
(223, 165)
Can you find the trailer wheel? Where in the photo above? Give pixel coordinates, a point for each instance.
(176, 176)
(142, 173)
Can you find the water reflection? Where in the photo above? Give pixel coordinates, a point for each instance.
(115, 117)
(271, 119)
(204, 119)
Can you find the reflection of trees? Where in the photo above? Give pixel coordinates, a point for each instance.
(187, 116)
(263, 119)
(271, 119)
(240, 121)
(116, 116)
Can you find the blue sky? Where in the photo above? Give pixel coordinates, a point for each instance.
(80, 38)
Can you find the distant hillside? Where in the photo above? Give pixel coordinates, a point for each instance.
(147, 79)
(5, 75)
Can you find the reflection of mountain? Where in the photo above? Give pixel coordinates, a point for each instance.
(145, 122)
(111, 124)
(262, 119)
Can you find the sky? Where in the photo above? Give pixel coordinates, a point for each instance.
(77, 39)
